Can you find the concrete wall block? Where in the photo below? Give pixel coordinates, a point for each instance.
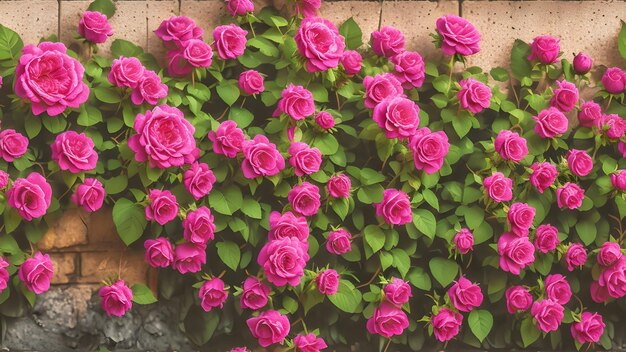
(157, 12)
(97, 266)
(32, 19)
(207, 14)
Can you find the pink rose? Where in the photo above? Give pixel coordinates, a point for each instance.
(239, 349)
(325, 120)
(4, 274)
(582, 63)
(565, 96)
(212, 294)
(194, 53)
(446, 324)
(395, 208)
(429, 149)
(309, 343)
(74, 152)
(464, 241)
(283, 261)
(589, 329)
(621, 146)
(189, 258)
(599, 294)
(550, 123)
(178, 29)
(94, 26)
(521, 216)
(288, 225)
(239, 7)
(546, 238)
(164, 138)
(339, 186)
(499, 187)
(464, 295)
(543, 176)
(50, 79)
(548, 314)
(517, 299)
(397, 292)
(612, 281)
(12, 145)
(254, 294)
(126, 72)
(511, 146)
(387, 42)
(327, 282)
(409, 69)
(516, 253)
(251, 82)
(162, 206)
(579, 162)
(30, 196)
(570, 195)
(576, 256)
(611, 125)
(198, 180)
(36, 273)
(296, 102)
(199, 226)
(458, 36)
(351, 61)
(387, 321)
(261, 158)
(227, 139)
(149, 89)
(319, 42)
(610, 253)
(558, 289)
(4, 179)
(474, 95)
(381, 87)
(305, 199)
(159, 252)
(545, 49)
(304, 159)
(89, 194)
(398, 117)
(269, 327)
(590, 113)
(307, 8)
(339, 242)
(117, 298)
(230, 41)
(614, 80)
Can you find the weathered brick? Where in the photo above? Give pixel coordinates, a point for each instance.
(101, 232)
(32, 19)
(65, 267)
(157, 12)
(70, 230)
(97, 266)
(207, 14)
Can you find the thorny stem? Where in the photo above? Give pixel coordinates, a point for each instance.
(371, 278)
(387, 346)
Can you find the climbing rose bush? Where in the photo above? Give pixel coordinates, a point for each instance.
(293, 185)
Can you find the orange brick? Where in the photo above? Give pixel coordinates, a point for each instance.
(65, 269)
(98, 266)
(70, 230)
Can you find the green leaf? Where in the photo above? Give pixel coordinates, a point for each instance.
(480, 322)
(520, 66)
(89, 115)
(347, 297)
(587, 231)
(352, 32)
(443, 270)
(32, 124)
(11, 220)
(121, 47)
(229, 253)
(228, 91)
(326, 143)
(130, 220)
(106, 7)
(54, 124)
(107, 95)
(10, 47)
(251, 208)
(265, 46)
(226, 202)
(241, 116)
(499, 74)
(419, 278)
(116, 184)
(621, 41)
(200, 325)
(374, 237)
(529, 332)
(401, 261)
(142, 294)
(425, 222)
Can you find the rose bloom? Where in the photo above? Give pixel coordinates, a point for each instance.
(197, 53)
(30, 196)
(576, 256)
(589, 329)
(12, 145)
(545, 49)
(320, 43)
(159, 252)
(74, 152)
(548, 314)
(582, 63)
(614, 80)
(550, 123)
(149, 89)
(464, 295)
(283, 261)
(227, 139)
(178, 29)
(327, 282)
(230, 41)
(304, 159)
(162, 206)
(89, 194)
(511, 146)
(429, 149)
(198, 180)
(611, 125)
(387, 42)
(516, 253)
(189, 258)
(446, 324)
(296, 102)
(464, 241)
(95, 27)
(288, 225)
(309, 343)
(398, 117)
(570, 195)
(474, 95)
(351, 61)
(261, 158)
(499, 187)
(590, 113)
(521, 216)
(164, 138)
(546, 238)
(395, 208)
(126, 72)
(325, 120)
(397, 292)
(599, 294)
(199, 226)
(305, 199)
(339, 186)
(307, 8)
(387, 320)
(621, 146)
(36, 273)
(239, 7)
(517, 299)
(251, 82)
(269, 327)
(381, 87)
(579, 162)
(612, 281)
(409, 69)
(458, 36)
(610, 253)
(558, 289)
(254, 294)
(339, 242)
(4, 179)
(50, 79)
(543, 176)
(565, 96)
(212, 294)
(4, 274)
(117, 298)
